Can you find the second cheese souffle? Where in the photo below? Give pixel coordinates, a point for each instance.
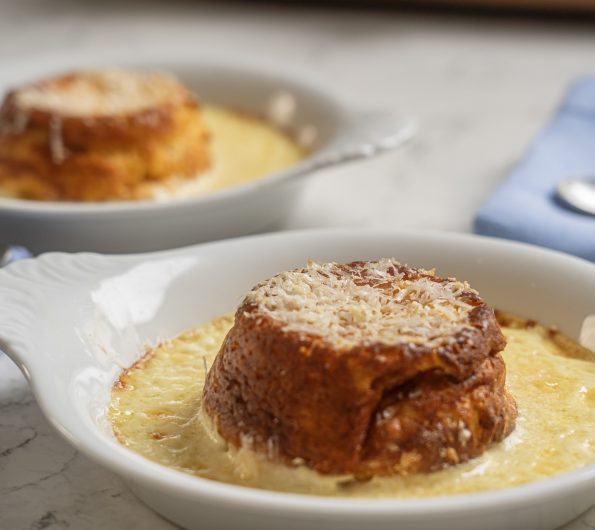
(364, 368)
(99, 135)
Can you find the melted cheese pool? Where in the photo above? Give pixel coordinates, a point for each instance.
(243, 149)
(155, 411)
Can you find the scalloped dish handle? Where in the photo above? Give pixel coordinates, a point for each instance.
(8, 255)
(366, 135)
(16, 315)
(23, 284)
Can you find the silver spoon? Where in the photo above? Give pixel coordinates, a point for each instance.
(578, 193)
(9, 254)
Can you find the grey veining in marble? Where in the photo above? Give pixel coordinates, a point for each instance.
(480, 87)
(44, 482)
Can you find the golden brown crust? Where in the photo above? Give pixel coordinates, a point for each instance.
(567, 346)
(135, 128)
(369, 409)
(435, 420)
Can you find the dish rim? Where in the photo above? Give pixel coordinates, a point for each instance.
(133, 466)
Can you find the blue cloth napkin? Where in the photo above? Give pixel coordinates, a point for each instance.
(525, 207)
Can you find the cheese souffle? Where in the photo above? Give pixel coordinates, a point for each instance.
(116, 134)
(365, 368)
(366, 379)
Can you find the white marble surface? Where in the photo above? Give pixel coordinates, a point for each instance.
(481, 88)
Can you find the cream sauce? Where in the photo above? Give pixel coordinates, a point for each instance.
(155, 411)
(243, 149)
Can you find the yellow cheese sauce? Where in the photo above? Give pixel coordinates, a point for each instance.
(156, 411)
(243, 148)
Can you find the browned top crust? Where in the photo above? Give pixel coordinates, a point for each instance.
(99, 135)
(364, 368)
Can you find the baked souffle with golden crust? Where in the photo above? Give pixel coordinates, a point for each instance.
(363, 368)
(99, 136)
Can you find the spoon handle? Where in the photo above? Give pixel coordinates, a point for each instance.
(10, 254)
(578, 194)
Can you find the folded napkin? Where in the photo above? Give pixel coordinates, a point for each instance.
(525, 207)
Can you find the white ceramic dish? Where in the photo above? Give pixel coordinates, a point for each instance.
(71, 322)
(336, 134)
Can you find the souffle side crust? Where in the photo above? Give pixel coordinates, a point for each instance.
(364, 368)
(99, 135)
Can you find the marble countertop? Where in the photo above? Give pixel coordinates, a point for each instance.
(480, 86)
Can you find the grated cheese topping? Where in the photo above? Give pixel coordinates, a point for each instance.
(101, 92)
(364, 303)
